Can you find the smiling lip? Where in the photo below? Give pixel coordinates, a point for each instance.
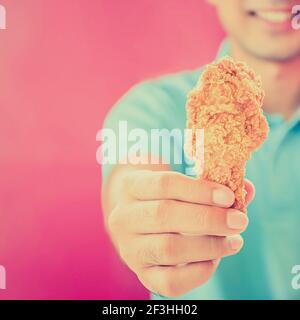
(274, 16)
(278, 19)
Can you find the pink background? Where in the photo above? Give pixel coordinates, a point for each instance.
(62, 66)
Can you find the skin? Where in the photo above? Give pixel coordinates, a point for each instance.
(171, 230)
(272, 52)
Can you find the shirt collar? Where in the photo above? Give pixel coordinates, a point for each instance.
(224, 49)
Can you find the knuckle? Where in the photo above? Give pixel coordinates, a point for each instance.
(130, 183)
(146, 283)
(150, 282)
(129, 259)
(167, 248)
(207, 272)
(114, 220)
(169, 287)
(203, 218)
(161, 253)
(164, 183)
(148, 256)
(125, 256)
(125, 180)
(161, 211)
(143, 212)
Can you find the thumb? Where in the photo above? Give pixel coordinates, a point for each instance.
(250, 189)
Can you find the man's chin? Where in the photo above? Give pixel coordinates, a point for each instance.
(275, 54)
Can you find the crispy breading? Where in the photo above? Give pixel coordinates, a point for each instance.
(227, 104)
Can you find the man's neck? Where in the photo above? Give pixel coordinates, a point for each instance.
(281, 81)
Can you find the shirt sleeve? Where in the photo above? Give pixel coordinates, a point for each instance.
(145, 107)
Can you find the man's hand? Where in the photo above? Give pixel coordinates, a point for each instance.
(172, 230)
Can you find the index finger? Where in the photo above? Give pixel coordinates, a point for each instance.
(157, 185)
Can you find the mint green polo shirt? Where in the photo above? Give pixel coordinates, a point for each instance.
(263, 268)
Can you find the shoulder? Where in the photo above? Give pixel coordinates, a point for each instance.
(156, 97)
(179, 83)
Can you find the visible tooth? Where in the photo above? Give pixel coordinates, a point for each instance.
(274, 16)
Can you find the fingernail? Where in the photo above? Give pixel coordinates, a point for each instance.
(222, 197)
(235, 242)
(236, 219)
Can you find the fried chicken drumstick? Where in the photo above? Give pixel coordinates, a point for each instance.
(227, 104)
